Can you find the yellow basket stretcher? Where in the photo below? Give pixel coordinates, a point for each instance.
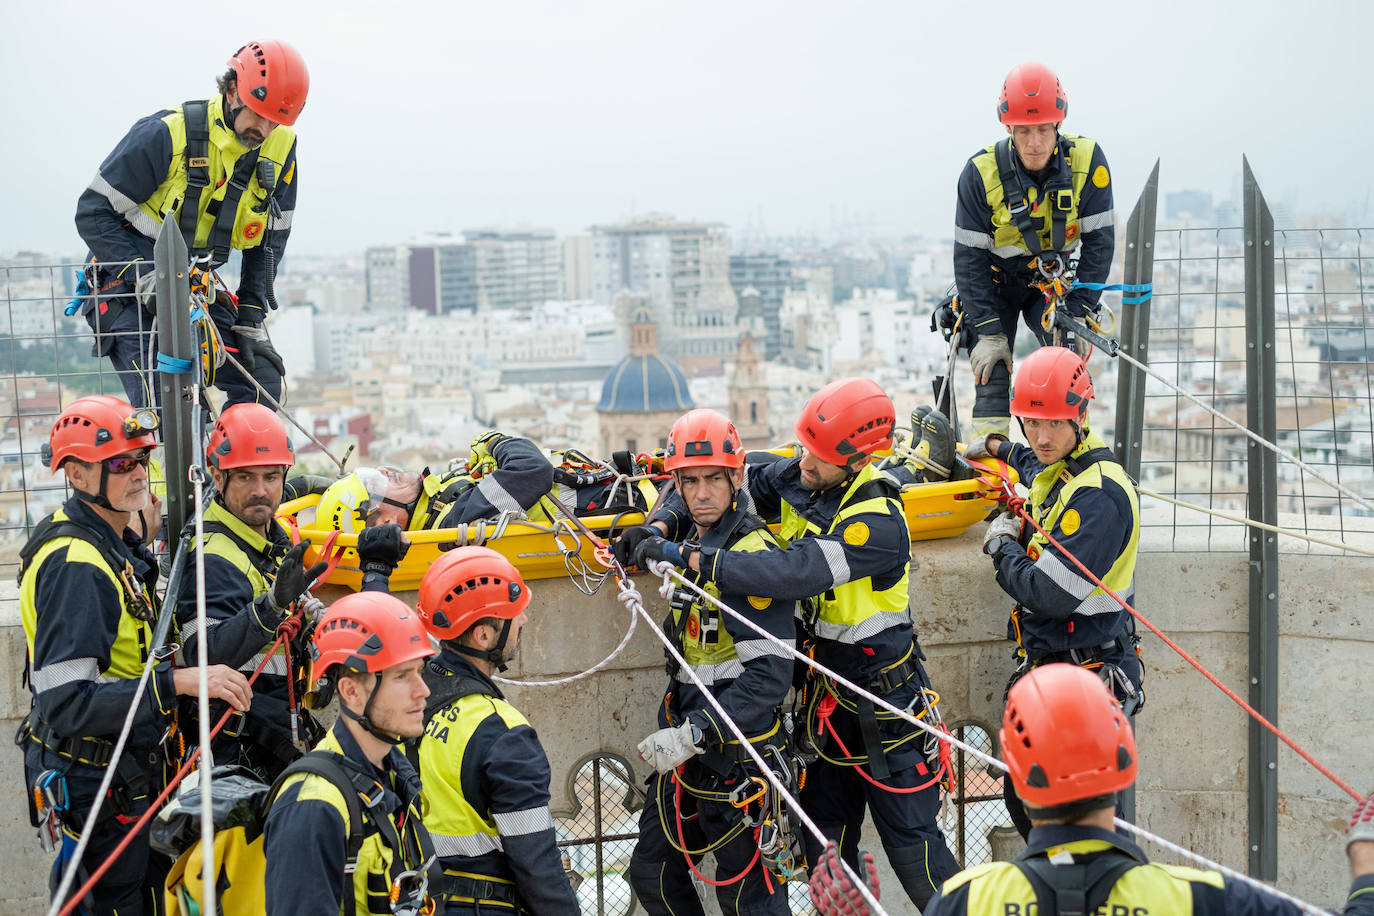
(540, 551)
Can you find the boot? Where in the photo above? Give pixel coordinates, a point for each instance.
(932, 458)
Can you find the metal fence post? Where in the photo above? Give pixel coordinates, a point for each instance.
(174, 340)
(1262, 505)
(1134, 327)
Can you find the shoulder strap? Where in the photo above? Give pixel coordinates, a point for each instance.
(1074, 890)
(222, 232)
(196, 117)
(261, 563)
(48, 530)
(1086, 460)
(1014, 195)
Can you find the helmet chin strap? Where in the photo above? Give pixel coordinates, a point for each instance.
(365, 719)
(100, 499)
(495, 655)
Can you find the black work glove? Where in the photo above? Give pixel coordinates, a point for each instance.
(305, 484)
(253, 342)
(380, 549)
(293, 579)
(624, 547)
(658, 548)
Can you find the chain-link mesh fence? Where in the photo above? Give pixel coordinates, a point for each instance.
(975, 808)
(1323, 405)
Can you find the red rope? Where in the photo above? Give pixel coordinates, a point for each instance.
(1190, 660)
(682, 842)
(157, 802)
(823, 713)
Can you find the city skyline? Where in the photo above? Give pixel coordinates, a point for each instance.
(805, 119)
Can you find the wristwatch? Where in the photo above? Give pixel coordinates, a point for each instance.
(697, 736)
(1000, 543)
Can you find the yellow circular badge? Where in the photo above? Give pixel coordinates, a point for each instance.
(856, 534)
(1069, 521)
(1100, 176)
(759, 604)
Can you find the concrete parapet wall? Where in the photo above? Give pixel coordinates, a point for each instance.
(1194, 741)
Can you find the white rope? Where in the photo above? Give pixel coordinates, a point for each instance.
(69, 876)
(207, 762)
(1288, 532)
(277, 405)
(1339, 488)
(632, 600)
(559, 682)
(668, 572)
(1216, 866)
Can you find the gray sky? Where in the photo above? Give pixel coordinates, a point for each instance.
(782, 116)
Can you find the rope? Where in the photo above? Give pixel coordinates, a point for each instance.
(207, 819)
(1288, 532)
(667, 571)
(1193, 661)
(620, 647)
(277, 406)
(1339, 488)
(156, 804)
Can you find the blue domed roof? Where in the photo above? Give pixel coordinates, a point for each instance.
(644, 384)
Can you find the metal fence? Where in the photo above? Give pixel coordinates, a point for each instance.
(975, 808)
(1200, 329)
(45, 360)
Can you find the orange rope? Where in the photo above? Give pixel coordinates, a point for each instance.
(682, 842)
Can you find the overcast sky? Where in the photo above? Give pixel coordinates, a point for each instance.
(797, 116)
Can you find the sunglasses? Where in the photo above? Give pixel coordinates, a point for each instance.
(123, 464)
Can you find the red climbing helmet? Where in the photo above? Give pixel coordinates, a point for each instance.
(467, 584)
(1032, 94)
(703, 438)
(97, 427)
(1051, 384)
(1065, 738)
(248, 435)
(272, 80)
(846, 420)
(368, 631)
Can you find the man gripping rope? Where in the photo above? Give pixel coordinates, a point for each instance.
(1035, 207)
(848, 553)
(252, 577)
(1082, 495)
(87, 602)
(700, 766)
(225, 169)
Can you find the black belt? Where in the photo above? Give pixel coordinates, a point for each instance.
(481, 890)
(91, 751)
(1084, 655)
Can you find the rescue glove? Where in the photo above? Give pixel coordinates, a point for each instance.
(1361, 823)
(988, 352)
(381, 549)
(482, 449)
(832, 891)
(293, 579)
(254, 345)
(668, 748)
(984, 446)
(625, 546)
(1002, 532)
(658, 548)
